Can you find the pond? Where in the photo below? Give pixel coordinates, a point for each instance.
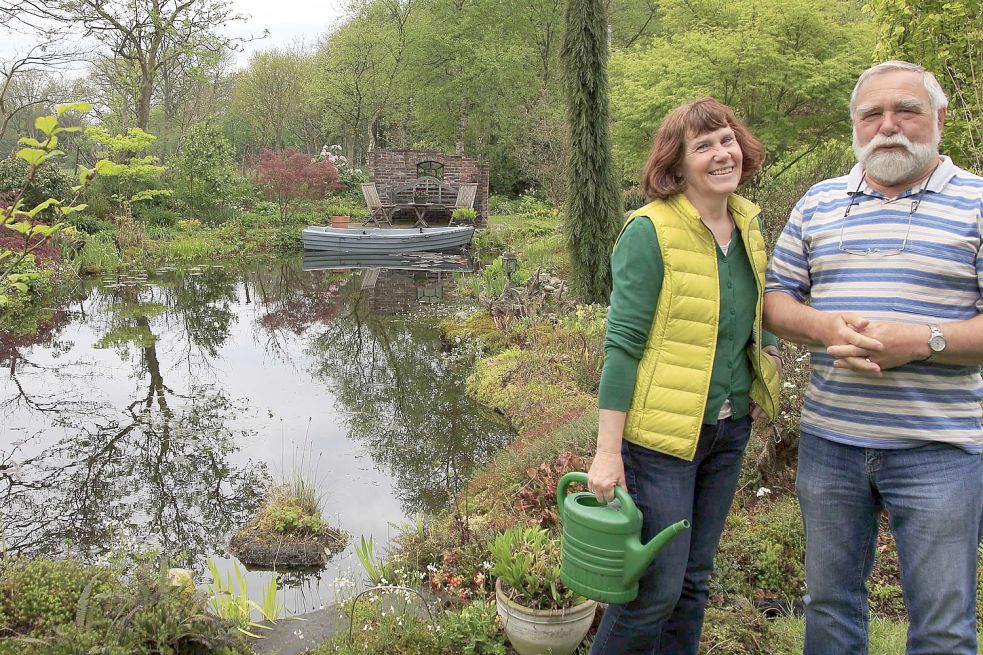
(154, 409)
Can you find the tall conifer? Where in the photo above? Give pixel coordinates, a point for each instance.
(593, 206)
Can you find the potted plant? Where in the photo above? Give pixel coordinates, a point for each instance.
(539, 613)
(340, 220)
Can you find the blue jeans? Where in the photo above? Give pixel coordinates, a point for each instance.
(934, 498)
(667, 616)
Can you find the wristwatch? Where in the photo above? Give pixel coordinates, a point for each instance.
(936, 342)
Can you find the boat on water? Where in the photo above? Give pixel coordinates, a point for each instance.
(368, 240)
(420, 261)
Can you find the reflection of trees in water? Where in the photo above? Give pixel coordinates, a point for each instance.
(158, 476)
(154, 478)
(406, 402)
(290, 301)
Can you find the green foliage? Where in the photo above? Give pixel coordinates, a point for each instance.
(471, 630)
(154, 215)
(23, 219)
(229, 599)
(593, 206)
(527, 561)
(763, 551)
(785, 66)
(380, 571)
(945, 37)
(99, 254)
(478, 328)
(287, 239)
(740, 629)
(464, 214)
(292, 509)
(68, 608)
(205, 171)
(37, 595)
(135, 178)
(48, 181)
(87, 223)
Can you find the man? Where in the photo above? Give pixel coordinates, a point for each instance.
(889, 260)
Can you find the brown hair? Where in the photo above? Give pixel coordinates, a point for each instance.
(659, 179)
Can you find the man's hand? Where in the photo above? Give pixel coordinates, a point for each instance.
(847, 338)
(606, 471)
(900, 343)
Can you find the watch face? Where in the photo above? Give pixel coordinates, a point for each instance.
(937, 343)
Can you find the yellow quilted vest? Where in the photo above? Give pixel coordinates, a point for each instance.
(673, 382)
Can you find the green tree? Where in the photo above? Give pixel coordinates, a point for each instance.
(205, 169)
(593, 209)
(144, 36)
(947, 38)
(358, 71)
(785, 66)
(268, 103)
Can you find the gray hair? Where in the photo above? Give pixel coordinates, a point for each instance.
(935, 93)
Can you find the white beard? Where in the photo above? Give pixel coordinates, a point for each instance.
(893, 167)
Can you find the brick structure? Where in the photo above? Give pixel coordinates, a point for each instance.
(390, 169)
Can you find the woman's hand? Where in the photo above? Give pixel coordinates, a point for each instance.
(772, 351)
(606, 471)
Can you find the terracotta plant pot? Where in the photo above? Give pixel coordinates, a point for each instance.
(542, 632)
(340, 220)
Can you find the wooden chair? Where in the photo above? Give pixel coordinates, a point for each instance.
(379, 212)
(465, 196)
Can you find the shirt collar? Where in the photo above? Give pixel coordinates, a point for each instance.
(855, 182)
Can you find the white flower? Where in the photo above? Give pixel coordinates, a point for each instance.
(762, 492)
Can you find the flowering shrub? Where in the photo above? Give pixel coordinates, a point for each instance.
(347, 174)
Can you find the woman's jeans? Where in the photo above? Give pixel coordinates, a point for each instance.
(667, 616)
(933, 495)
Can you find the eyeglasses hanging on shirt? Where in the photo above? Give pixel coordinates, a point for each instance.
(883, 252)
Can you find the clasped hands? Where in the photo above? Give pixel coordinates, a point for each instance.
(871, 347)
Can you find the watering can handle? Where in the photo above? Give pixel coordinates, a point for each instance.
(627, 503)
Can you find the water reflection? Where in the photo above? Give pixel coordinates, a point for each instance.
(405, 399)
(154, 409)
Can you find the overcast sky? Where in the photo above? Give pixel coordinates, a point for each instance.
(286, 20)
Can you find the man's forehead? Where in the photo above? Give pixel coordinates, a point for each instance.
(891, 87)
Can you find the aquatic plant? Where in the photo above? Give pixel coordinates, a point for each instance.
(229, 599)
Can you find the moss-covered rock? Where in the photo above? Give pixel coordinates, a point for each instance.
(478, 328)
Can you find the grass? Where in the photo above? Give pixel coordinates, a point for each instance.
(886, 637)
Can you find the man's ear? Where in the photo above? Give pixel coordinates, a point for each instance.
(941, 119)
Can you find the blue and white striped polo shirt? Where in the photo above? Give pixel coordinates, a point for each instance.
(931, 272)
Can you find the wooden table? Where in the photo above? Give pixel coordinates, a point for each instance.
(420, 209)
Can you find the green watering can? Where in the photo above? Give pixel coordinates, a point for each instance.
(602, 556)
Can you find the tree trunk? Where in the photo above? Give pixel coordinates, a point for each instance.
(143, 101)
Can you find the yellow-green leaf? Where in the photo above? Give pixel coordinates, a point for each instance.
(82, 107)
(21, 227)
(74, 128)
(44, 205)
(109, 168)
(20, 286)
(32, 156)
(28, 141)
(46, 124)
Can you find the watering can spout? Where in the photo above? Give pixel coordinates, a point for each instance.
(640, 556)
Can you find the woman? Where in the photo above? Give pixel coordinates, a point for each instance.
(684, 375)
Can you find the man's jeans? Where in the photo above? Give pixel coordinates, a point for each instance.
(934, 498)
(667, 616)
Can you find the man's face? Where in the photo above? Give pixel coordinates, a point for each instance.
(895, 132)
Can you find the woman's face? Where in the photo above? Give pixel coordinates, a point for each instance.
(712, 163)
